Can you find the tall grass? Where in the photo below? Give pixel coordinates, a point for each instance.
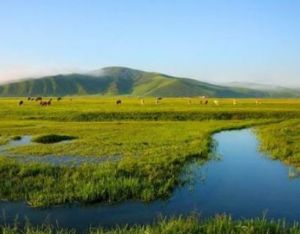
(281, 141)
(187, 225)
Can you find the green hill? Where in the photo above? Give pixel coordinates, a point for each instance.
(126, 81)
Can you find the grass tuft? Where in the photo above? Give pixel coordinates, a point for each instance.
(52, 138)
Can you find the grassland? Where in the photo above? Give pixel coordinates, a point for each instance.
(153, 155)
(169, 109)
(281, 140)
(191, 225)
(154, 143)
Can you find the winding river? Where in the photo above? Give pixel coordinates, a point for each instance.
(243, 182)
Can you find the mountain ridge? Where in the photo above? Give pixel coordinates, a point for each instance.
(131, 82)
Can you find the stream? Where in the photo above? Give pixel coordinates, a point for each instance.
(243, 182)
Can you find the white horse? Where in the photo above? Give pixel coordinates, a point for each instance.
(216, 102)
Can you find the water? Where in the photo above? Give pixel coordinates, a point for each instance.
(244, 183)
(62, 160)
(25, 140)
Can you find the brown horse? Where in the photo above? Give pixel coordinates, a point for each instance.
(21, 103)
(45, 103)
(119, 102)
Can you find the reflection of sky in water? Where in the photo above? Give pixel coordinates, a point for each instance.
(293, 172)
(243, 182)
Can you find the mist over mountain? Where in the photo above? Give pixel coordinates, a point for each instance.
(131, 82)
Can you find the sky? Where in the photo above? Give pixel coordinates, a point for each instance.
(217, 41)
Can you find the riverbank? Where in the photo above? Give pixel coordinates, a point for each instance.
(191, 225)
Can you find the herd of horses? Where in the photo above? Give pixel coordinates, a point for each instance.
(203, 101)
(40, 100)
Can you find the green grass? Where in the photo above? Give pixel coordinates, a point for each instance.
(153, 153)
(281, 141)
(52, 138)
(192, 225)
(170, 109)
(217, 225)
(16, 138)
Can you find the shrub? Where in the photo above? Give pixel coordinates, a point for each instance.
(52, 138)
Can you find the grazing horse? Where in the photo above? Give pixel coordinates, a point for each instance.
(28, 98)
(21, 103)
(59, 98)
(158, 99)
(39, 99)
(45, 103)
(206, 102)
(119, 102)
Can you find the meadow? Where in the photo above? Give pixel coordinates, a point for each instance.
(281, 141)
(152, 153)
(153, 142)
(176, 109)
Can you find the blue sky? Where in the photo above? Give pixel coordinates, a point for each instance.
(216, 41)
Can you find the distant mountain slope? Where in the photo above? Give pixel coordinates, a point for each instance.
(272, 90)
(126, 81)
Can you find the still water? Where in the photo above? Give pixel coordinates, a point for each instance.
(243, 182)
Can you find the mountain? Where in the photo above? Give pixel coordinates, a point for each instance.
(274, 90)
(127, 81)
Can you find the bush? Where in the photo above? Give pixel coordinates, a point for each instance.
(52, 138)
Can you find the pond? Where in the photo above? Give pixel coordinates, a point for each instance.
(61, 160)
(243, 183)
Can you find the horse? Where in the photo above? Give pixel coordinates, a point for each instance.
(21, 103)
(45, 103)
(119, 102)
(158, 99)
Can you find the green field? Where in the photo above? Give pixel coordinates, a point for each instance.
(152, 152)
(176, 109)
(153, 141)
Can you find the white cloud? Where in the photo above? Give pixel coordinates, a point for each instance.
(13, 72)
